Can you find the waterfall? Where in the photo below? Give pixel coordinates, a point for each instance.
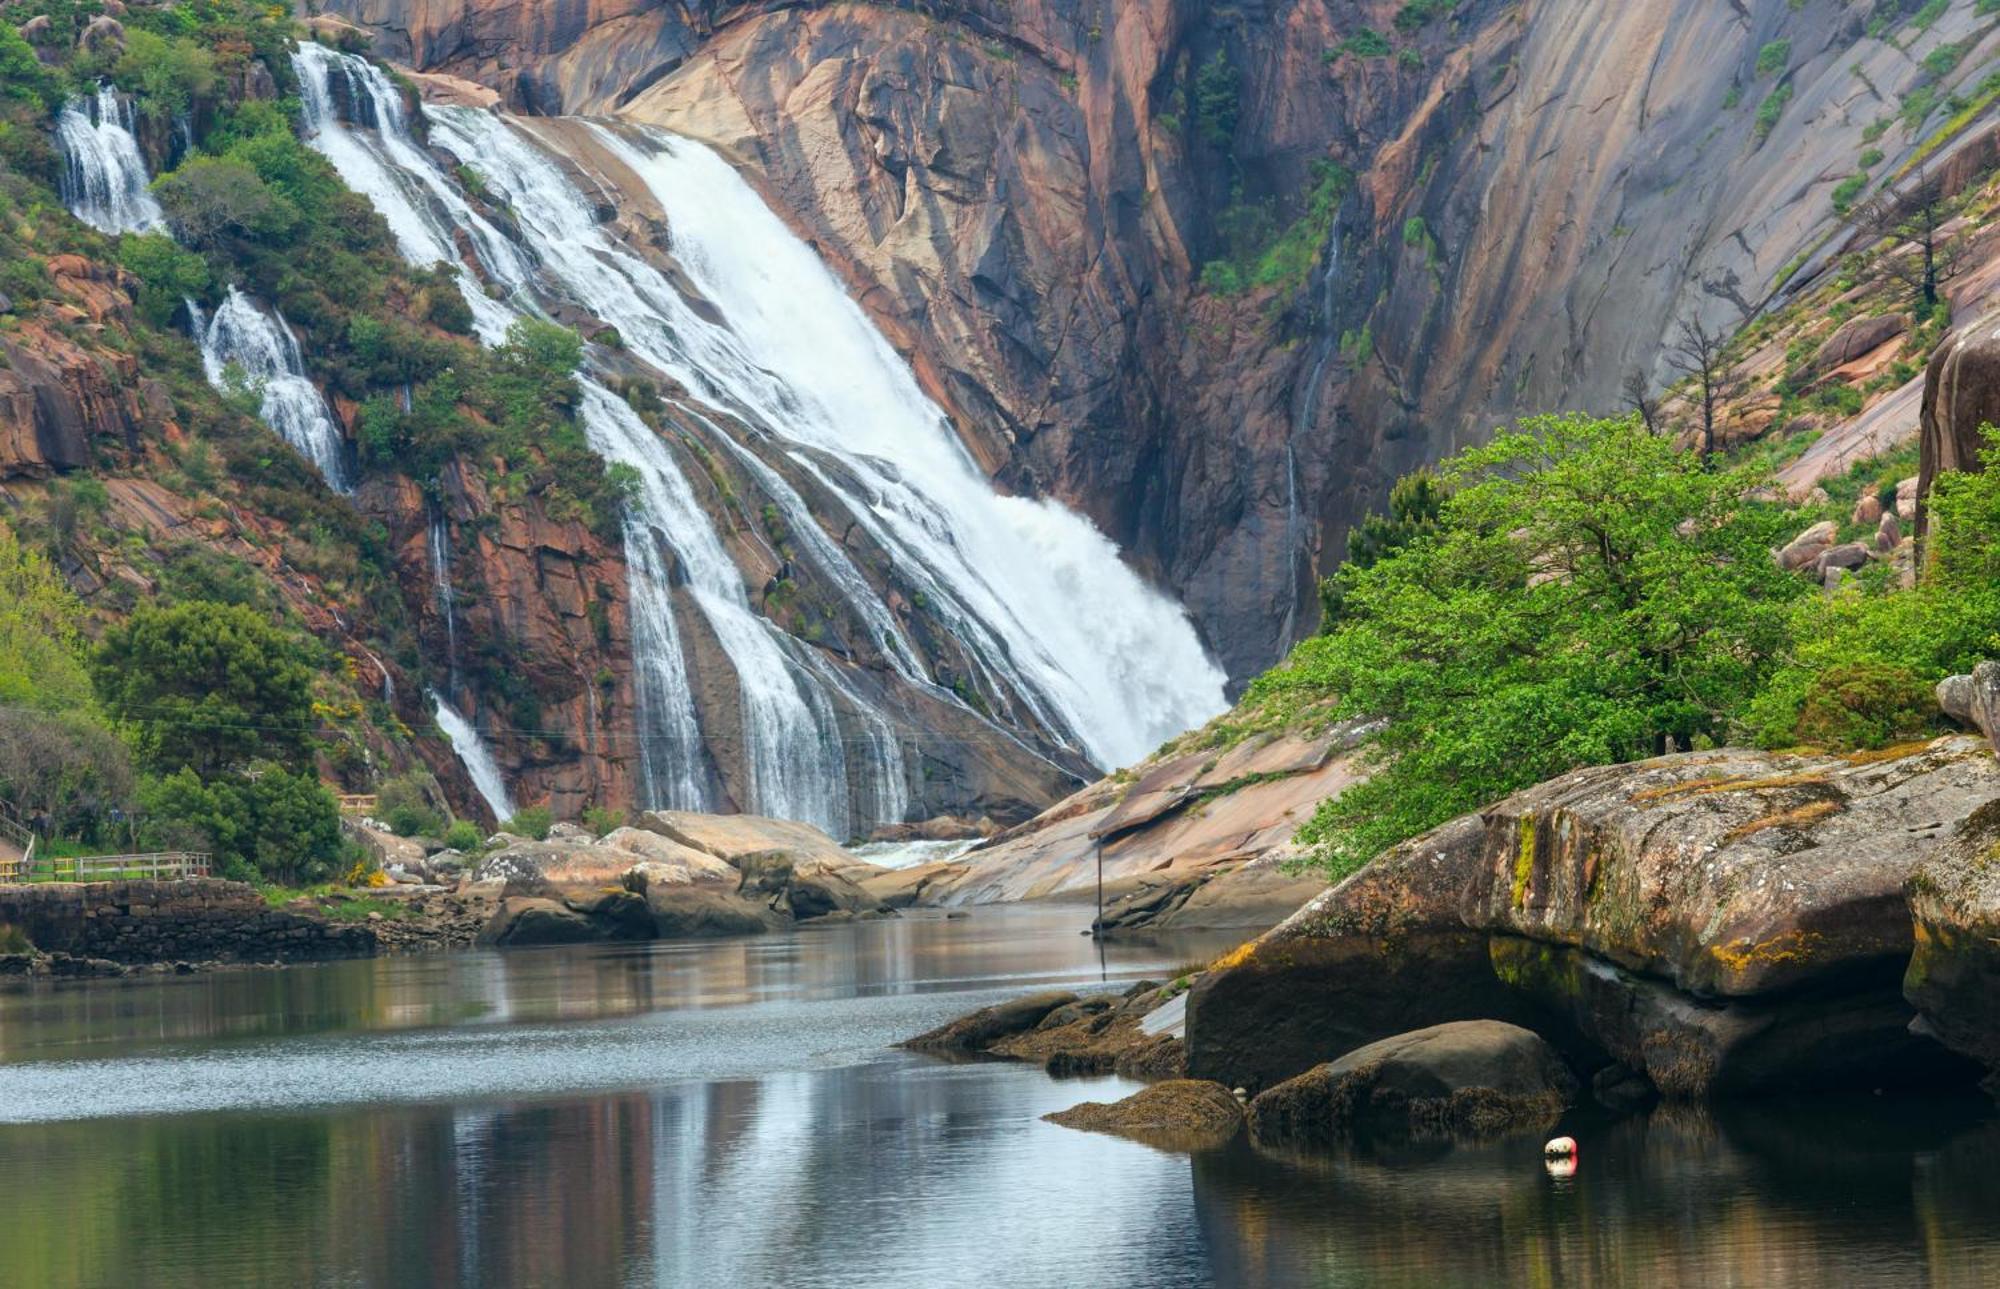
(1046, 614)
(253, 343)
(439, 541)
(104, 181)
(477, 758)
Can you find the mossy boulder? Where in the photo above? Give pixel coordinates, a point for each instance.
(1180, 1114)
(1746, 888)
(1468, 1078)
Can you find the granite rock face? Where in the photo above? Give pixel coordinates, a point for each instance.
(1024, 195)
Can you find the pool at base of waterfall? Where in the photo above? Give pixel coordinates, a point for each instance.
(735, 1113)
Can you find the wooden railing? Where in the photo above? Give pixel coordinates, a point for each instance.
(357, 803)
(12, 869)
(168, 864)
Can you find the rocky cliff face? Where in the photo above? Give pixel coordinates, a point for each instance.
(1024, 195)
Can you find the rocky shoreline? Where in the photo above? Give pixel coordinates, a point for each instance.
(1700, 927)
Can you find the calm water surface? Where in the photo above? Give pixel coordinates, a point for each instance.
(731, 1113)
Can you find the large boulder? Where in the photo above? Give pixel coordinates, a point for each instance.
(1470, 1077)
(681, 911)
(734, 837)
(1180, 1114)
(1954, 974)
(1974, 700)
(1961, 395)
(1857, 338)
(1689, 916)
(1802, 551)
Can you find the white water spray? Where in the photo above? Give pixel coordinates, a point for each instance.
(244, 343)
(477, 757)
(104, 181)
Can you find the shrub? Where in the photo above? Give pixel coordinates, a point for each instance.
(1866, 705)
(209, 199)
(603, 819)
(168, 274)
(463, 835)
(1774, 58)
(404, 805)
(532, 822)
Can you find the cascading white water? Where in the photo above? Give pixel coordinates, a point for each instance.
(439, 543)
(246, 339)
(1118, 662)
(104, 181)
(1038, 597)
(477, 757)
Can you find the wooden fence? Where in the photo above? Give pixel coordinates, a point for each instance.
(167, 864)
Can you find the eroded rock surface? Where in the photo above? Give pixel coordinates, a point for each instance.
(1179, 1114)
(1719, 921)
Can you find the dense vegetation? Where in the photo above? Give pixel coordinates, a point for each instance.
(1585, 592)
(208, 716)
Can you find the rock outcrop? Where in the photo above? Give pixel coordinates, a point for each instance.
(1180, 1114)
(1961, 395)
(1474, 1078)
(678, 874)
(1974, 700)
(58, 400)
(1720, 921)
(1954, 975)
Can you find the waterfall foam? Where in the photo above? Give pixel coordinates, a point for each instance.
(104, 181)
(247, 342)
(477, 759)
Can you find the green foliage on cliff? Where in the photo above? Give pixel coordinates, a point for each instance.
(1218, 90)
(1256, 252)
(1946, 624)
(1590, 593)
(1416, 503)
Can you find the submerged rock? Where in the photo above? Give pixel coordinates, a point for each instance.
(1469, 1077)
(1180, 1114)
(1720, 921)
(988, 1025)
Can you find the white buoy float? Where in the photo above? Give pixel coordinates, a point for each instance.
(1559, 1157)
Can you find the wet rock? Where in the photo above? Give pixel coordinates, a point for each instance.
(1954, 974)
(988, 1025)
(1180, 1114)
(1701, 917)
(523, 922)
(1471, 1077)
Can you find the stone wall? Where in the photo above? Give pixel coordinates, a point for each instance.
(192, 920)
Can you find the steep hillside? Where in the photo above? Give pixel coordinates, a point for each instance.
(1428, 216)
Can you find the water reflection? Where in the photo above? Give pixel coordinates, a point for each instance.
(758, 1132)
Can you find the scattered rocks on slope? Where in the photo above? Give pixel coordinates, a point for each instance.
(1720, 921)
(1808, 546)
(1469, 1077)
(1180, 1114)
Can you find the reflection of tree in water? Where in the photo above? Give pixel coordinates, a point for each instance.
(1824, 1192)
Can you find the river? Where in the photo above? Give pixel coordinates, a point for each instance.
(732, 1112)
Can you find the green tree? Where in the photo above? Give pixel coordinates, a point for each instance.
(206, 686)
(274, 825)
(166, 74)
(40, 651)
(1590, 594)
(168, 273)
(1218, 91)
(1415, 504)
(210, 198)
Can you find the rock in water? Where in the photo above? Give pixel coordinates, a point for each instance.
(1954, 975)
(989, 1025)
(1181, 1114)
(1472, 1077)
(1718, 921)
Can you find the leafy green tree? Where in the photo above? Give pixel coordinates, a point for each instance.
(40, 652)
(278, 826)
(1218, 92)
(1590, 594)
(210, 198)
(168, 273)
(208, 687)
(166, 74)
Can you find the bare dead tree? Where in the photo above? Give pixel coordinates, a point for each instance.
(1700, 353)
(1639, 398)
(1913, 215)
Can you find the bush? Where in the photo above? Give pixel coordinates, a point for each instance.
(603, 819)
(1866, 705)
(404, 804)
(168, 274)
(276, 826)
(463, 835)
(209, 199)
(165, 75)
(532, 823)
